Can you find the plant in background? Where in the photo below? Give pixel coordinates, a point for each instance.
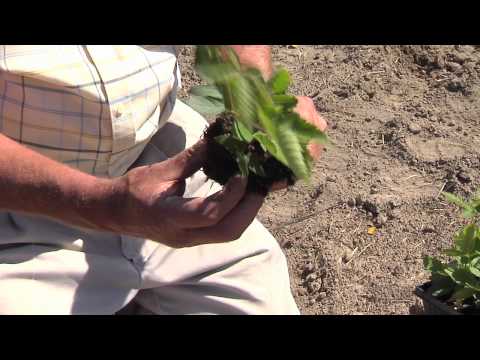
(458, 282)
(256, 134)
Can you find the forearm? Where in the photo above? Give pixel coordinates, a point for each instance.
(34, 184)
(257, 56)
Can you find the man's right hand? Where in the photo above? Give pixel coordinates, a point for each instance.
(152, 205)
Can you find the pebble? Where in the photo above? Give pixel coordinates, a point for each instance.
(311, 302)
(351, 202)
(331, 179)
(463, 177)
(414, 128)
(380, 220)
(428, 229)
(322, 295)
(374, 190)
(308, 268)
(393, 214)
(311, 277)
(454, 67)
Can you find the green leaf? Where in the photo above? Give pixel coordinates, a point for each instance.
(207, 91)
(463, 293)
(465, 240)
(454, 199)
(265, 142)
(234, 146)
(242, 101)
(463, 277)
(242, 132)
(453, 252)
(204, 105)
(243, 164)
(305, 131)
(475, 271)
(288, 102)
(280, 81)
(217, 73)
(291, 149)
(434, 266)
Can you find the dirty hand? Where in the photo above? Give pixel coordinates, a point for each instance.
(153, 207)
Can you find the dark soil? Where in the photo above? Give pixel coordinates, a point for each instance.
(222, 165)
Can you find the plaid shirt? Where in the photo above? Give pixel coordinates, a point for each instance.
(91, 107)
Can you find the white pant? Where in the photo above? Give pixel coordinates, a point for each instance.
(49, 268)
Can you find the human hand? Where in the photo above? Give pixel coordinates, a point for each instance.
(153, 206)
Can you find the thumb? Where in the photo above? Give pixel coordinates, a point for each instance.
(186, 163)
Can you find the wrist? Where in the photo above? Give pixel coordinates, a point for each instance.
(99, 203)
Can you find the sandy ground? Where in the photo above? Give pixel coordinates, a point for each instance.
(405, 123)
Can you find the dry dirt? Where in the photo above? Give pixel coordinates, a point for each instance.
(405, 124)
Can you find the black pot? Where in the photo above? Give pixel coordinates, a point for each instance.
(431, 305)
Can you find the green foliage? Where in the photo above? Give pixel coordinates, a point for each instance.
(460, 278)
(263, 111)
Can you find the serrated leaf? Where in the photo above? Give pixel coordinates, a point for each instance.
(305, 131)
(287, 101)
(265, 142)
(242, 132)
(289, 146)
(242, 101)
(280, 81)
(204, 105)
(217, 73)
(465, 240)
(209, 91)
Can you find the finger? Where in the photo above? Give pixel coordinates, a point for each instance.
(231, 227)
(202, 212)
(186, 163)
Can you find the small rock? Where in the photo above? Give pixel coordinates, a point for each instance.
(313, 287)
(455, 85)
(450, 186)
(380, 220)
(302, 291)
(351, 202)
(347, 255)
(322, 295)
(311, 277)
(394, 203)
(367, 119)
(311, 302)
(331, 179)
(454, 67)
(393, 214)
(308, 268)
(463, 177)
(374, 190)
(451, 123)
(427, 229)
(343, 93)
(414, 128)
